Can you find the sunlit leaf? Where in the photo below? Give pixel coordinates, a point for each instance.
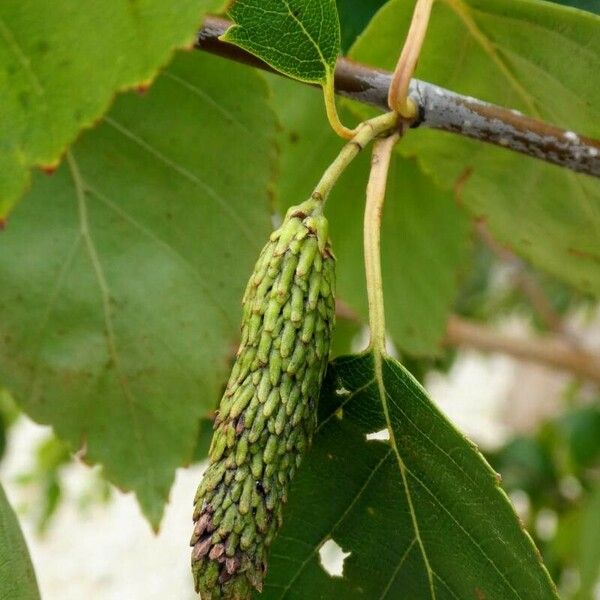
(61, 64)
(122, 273)
(300, 38)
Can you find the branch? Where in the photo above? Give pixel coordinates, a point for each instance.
(554, 351)
(441, 109)
(551, 351)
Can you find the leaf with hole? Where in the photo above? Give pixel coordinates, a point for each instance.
(420, 515)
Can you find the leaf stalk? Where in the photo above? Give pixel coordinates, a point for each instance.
(365, 133)
(380, 164)
(398, 99)
(332, 113)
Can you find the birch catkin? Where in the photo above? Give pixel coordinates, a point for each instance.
(267, 415)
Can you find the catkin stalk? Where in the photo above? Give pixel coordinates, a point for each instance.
(267, 416)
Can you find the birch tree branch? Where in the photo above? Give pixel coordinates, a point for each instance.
(552, 351)
(441, 109)
(555, 351)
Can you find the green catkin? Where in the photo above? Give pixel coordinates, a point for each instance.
(267, 416)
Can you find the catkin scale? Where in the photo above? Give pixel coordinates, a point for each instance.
(267, 415)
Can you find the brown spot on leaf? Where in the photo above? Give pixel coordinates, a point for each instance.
(49, 169)
(583, 254)
(142, 88)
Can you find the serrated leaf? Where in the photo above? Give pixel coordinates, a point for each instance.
(506, 52)
(17, 578)
(122, 273)
(421, 515)
(62, 62)
(424, 237)
(300, 38)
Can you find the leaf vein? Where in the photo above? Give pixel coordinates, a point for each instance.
(465, 531)
(106, 299)
(329, 534)
(397, 569)
(247, 232)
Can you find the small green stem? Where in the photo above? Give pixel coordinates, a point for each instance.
(382, 152)
(332, 113)
(365, 133)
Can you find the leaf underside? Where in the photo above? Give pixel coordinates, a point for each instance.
(122, 273)
(61, 64)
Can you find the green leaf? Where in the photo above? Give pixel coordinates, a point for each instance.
(62, 62)
(507, 53)
(205, 433)
(17, 578)
(424, 237)
(344, 335)
(587, 551)
(589, 5)
(122, 273)
(300, 38)
(421, 515)
(354, 17)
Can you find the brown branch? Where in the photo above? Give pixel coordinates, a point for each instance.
(556, 351)
(441, 109)
(551, 351)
